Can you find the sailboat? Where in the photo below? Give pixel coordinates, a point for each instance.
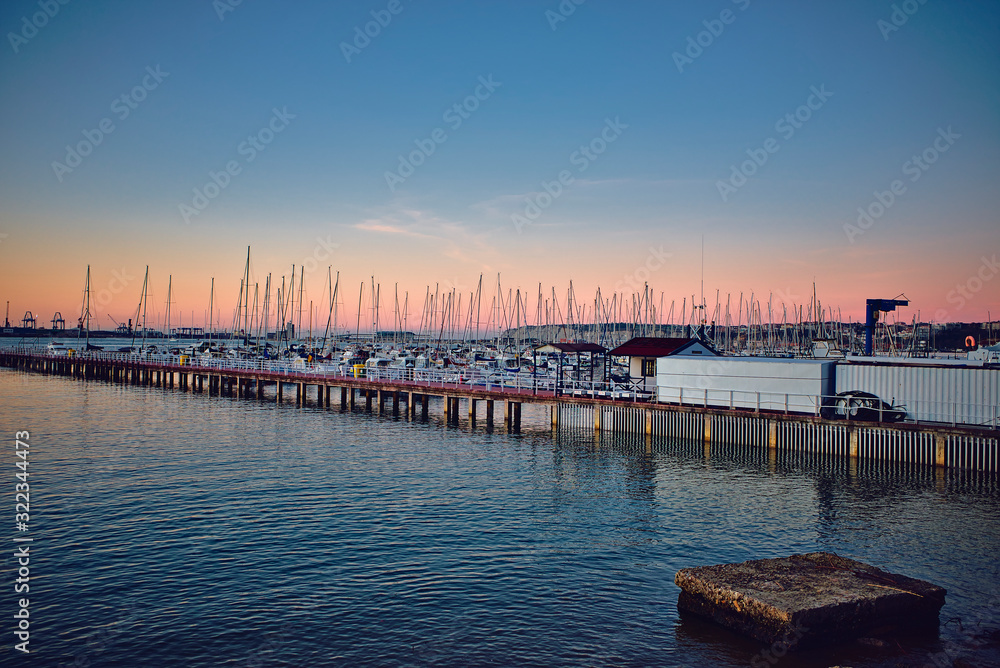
(85, 315)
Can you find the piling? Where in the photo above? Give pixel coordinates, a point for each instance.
(933, 445)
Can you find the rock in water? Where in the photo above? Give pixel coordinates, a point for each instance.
(809, 599)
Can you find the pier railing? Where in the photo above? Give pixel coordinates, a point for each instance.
(549, 385)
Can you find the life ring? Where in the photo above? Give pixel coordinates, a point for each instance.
(970, 342)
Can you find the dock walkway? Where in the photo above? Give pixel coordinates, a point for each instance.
(407, 392)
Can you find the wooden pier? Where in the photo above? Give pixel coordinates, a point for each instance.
(922, 444)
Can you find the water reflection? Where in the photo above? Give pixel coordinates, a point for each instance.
(913, 519)
(426, 544)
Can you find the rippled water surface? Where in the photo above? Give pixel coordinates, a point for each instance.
(173, 529)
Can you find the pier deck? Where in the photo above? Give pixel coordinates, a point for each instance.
(933, 445)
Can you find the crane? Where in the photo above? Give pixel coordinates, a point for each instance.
(872, 309)
(121, 327)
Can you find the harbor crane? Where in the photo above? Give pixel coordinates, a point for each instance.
(122, 327)
(873, 307)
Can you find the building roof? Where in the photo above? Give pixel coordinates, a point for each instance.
(648, 346)
(571, 348)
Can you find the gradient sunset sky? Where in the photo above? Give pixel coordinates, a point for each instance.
(673, 99)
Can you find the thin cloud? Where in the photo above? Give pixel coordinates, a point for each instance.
(456, 240)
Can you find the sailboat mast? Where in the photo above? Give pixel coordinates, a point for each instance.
(290, 300)
(479, 299)
(266, 312)
(211, 305)
(145, 284)
(302, 287)
(86, 309)
(246, 299)
(703, 279)
(333, 302)
(357, 331)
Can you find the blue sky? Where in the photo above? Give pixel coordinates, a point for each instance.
(558, 85)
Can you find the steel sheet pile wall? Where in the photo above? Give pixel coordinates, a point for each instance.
(739, 382)
(949, 394)
(971, 452)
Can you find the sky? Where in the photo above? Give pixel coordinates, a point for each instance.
(763, 148)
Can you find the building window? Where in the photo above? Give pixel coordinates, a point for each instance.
(648, 367)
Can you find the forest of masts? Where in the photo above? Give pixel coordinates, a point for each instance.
(513, 319)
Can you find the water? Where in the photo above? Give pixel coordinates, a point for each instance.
(174, 529)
